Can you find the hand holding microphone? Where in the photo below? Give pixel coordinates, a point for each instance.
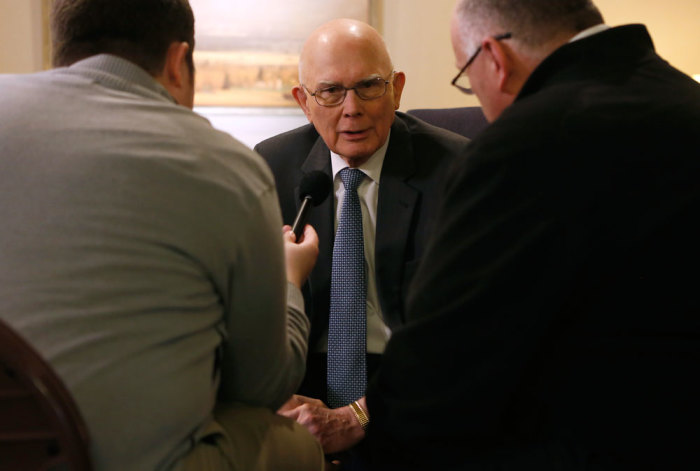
(301, 253)
(300, 257)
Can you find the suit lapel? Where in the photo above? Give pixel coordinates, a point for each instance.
(395, 208)
(321, 218)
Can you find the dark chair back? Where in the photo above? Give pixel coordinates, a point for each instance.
(468, 121)
(40, 425)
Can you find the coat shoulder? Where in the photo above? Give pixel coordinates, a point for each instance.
(298, 140)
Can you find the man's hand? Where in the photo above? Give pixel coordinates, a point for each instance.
(300, 258)
(336, 429)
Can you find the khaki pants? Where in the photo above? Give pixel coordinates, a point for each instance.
(245, 438)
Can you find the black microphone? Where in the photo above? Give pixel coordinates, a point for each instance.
(313, 190)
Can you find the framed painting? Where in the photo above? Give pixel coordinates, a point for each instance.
(45, 35)
(247, 51)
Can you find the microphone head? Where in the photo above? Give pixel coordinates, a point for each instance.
(316, 185)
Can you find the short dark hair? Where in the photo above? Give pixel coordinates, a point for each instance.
(140, 31)
(533, 21)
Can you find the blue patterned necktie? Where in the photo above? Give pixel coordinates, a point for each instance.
(347, 324)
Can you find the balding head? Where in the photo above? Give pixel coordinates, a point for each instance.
(538, 25)
(349, 54)
(330, 41)
(503, 41)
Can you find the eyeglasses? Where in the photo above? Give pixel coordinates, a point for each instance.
(334, 95)
(464, 87)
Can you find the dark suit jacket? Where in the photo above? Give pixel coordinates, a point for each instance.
(412, 175)
(561, 281)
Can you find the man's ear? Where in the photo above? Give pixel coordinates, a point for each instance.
(176, 70)
(399, 82)
(301, 98)
(512, 67)
(176, 76)
(501, 62)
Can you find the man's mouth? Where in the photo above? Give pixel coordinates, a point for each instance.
(354, 134)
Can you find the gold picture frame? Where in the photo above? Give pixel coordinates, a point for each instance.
(46, 34)
(247, 51)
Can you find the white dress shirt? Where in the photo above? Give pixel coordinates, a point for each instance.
(589, 32)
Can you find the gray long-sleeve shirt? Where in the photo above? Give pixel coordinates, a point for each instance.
(134, 239)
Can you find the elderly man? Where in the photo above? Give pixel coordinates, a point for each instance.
(558, 279)
(350, 92)
(141, 251)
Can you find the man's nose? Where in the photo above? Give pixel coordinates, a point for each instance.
(352, 106)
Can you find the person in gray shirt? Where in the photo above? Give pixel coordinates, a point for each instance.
(142, 251)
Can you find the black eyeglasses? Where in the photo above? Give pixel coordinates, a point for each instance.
(460, 75)
(334, 95)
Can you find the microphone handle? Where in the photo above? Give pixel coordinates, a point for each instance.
(300, 221)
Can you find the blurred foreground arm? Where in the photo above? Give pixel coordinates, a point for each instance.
(267, 329)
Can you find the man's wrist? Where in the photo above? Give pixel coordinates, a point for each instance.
(360, 414)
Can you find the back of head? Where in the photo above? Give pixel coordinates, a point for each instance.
(137, 30)
(533, 22)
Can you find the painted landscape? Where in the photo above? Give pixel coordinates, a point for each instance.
(247, 51)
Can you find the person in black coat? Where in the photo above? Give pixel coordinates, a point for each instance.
(350, 93)
(561, 280)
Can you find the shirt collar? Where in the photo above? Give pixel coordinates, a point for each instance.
(372, 167)
(589, 32)
(118, 73)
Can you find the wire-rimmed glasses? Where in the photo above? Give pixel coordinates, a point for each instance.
(334, 94)
(465, 87)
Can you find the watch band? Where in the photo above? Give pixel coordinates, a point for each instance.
(360, 413)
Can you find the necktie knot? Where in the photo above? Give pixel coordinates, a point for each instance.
(351, 178)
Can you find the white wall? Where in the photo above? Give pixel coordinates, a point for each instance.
(20, 36)
(251, 126)
(418, 37)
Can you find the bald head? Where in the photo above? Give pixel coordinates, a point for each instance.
(334, 40)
